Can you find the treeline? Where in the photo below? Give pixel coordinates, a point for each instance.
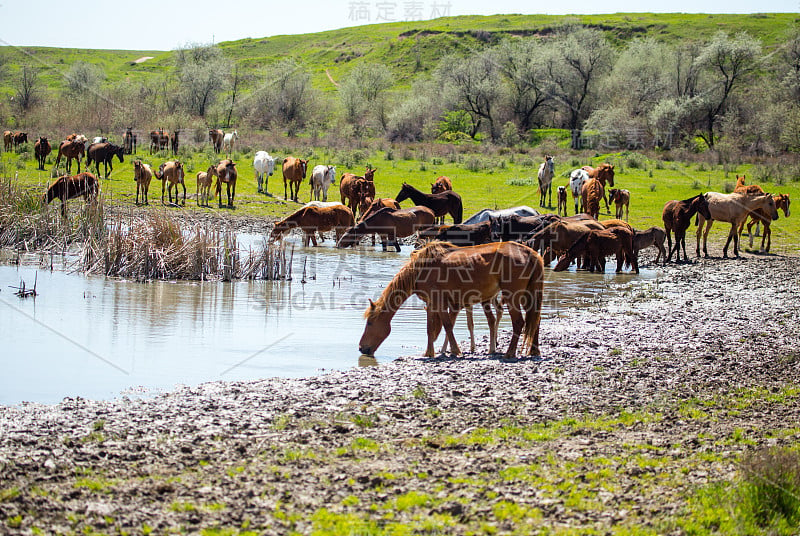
(727, 93)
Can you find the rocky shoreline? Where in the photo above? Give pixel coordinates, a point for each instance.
(646, 395)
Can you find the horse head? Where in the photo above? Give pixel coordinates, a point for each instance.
(700, 204)
(377, 329)
(369, 174)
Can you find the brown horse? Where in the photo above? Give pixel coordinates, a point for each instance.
(226, 172)
(391, 224)
(8, 140)
(105, 153)
(622, 200)
(171, 172)
(597, 245)
(749, 189)
(559, 236)
(294, 172)
(19, 139)
(442, 184)
(175, 142)
(460, 234)
(313, 219)
(782, 202)
(204, 180)
(605, 174)
(677, 216)
(591, 194)
(608, 224)
(734, 209)
(654, 236)
(448, 278)
(142, 174)
(68, 187)
(562, 200)
(129, 141)
(41, 149)
(70, 149)
(447, 202)
(377, 204)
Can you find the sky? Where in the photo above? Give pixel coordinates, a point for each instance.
(170, 24)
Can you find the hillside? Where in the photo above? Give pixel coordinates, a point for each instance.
(409, 48)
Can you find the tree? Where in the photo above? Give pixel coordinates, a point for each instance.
(203, 73)
(578, 59)
(363, 94)
(727, 63)
(285, 98)
(524, 66)
(474, 85)
(83, 77)
(27, 88)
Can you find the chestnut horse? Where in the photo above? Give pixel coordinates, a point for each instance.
(591, 193)
(216, 136)
(41, 149)
(782, 202)
(68, 187)
(70, 149)
(605, 174)
(622, 201)
(226, 173)
(204, 180)
(734, 209)
(447, 202)
(8, 140)
(391, 224)
(171, 172)
(294, 172)
(448, 278)
(441, 184)
(142, 174)
(313, 219)
(677, 215)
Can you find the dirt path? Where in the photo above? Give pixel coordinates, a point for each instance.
(645, 397)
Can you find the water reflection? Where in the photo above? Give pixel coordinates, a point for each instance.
(95, 337)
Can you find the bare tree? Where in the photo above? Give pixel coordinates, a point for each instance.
(27, 89)
(524, 67)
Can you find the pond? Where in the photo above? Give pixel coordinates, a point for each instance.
(100, 338)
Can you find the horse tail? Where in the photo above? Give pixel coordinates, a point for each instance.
(459, 213)
(533, 307)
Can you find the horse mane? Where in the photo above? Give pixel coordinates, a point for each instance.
(403, 282)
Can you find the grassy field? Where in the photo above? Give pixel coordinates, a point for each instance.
(498, 180)
(409, 49)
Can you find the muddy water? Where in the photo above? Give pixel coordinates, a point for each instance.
(99, 338)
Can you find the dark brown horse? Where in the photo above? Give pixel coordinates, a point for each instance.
(70, 149)
(19, 139)
(597, 245)
(654, 236)
(449, 278)
(391, 224)
(129, 141)
(159, 140)
(460, 234)
(677, 216)
(41, 149)
(105, 153)
(313, 219)
(447, 202)
(174, 142)
(68, 187)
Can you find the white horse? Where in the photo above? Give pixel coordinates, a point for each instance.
(228, 141)
(576, 180)
(547, 171)
(264, 165)
(321, 179)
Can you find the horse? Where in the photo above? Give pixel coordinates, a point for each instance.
(129, 141)
(591, 194)
(514, 228)
(547, 171)
(441, 184)
(608, 224)
(447, 202)
(391, 224)
(41, 149)
(677, 215)
(576, 180)
(226, 172)
(460, 234)
(8, 140)
(782, 202)
(294, 171)
(98, 139)
(68, 187)
(228, 141)
(357, 192)
(312, 220)
(743, 188)
(558, 236)
(448, 278)
(19, 139)
(70, 149)
(597, 245)
(562, 200)
(172, 172)
(654, 236)
(159, 139)
(204, 180)
(605, 174)
(622, 200)
(215, 136)
(321, 179)
(734, 209)
(142, 174)
(174, 142)
(105, 153)
(377, 204)
(264, 166)
(487, 214)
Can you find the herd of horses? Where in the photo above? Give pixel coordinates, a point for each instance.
(494, 258)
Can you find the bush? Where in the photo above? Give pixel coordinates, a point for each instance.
(728, 186)
(770, 487)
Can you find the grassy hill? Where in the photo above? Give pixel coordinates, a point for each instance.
(408, 48)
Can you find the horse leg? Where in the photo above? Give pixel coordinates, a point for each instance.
(669, 245)
(184, 193)
(447, 324)
(517, 324)
(766, 236)
(492, 321)
(434, 325)
(471, 328)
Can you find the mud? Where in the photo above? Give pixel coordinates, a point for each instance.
(685, 372)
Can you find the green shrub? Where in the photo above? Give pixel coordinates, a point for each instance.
(770, 487)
